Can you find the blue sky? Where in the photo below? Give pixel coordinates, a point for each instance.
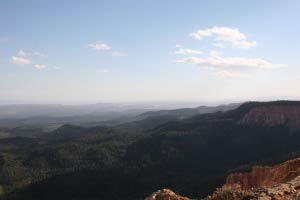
(63, 51)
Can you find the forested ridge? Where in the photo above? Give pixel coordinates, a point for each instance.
(129, 161)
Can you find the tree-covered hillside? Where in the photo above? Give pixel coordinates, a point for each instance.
(191, 156)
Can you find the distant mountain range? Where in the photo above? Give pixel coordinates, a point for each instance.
(17, 111)
(52, 116)
(188, 112)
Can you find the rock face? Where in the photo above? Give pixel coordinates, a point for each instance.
(266, 176)
(165, 194)
(282, 191)
(280, 182)
(273, 115)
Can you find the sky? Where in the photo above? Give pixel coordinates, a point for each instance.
(78, 51)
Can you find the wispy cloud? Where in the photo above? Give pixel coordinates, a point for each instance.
(100, 46)
(228, 74)
(218, 62)
(224, 66)
(23, 53)
(40, 54)
(186, 51)
(40, 66)
(24, 58)
(215, 53)
(102, 71)
(225, 34)
(119, 54)
(19, 60)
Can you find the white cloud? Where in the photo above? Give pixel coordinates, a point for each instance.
(40, 54)
(40, 66)
(22, 53)
(99, 46)
(104, 71)
(230, 62)
(186, 51)
(19, 60)
(215, 53)
(225, 34)
(22, 58)
(228, 74)
(119, 54)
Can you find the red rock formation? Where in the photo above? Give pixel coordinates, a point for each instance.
(273, 115)
(165, 194)
(280, 182)
(266, 176)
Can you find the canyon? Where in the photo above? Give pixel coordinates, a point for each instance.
(279, 182)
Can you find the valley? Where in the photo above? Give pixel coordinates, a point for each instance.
(191, 155)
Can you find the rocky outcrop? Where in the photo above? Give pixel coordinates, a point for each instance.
(165, 194)
(280, 182)
(282, 191)
(273, 115)
(266, 176)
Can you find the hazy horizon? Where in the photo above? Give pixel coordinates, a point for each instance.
(191, 102)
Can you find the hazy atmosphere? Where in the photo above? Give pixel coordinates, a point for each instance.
(149, 100)
(142, 51)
